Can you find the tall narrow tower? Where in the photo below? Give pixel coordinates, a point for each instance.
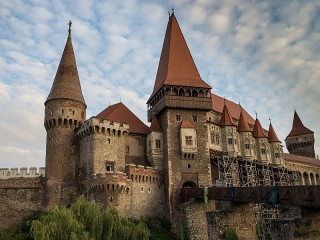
(180, 101)
(300, 140)
(65, 109)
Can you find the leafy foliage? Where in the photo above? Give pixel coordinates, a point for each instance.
(84, 220)
(231, 234)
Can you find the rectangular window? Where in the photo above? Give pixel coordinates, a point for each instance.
(277, 155)
(178, 118)
(217, 139)
(263, 151)
(212, 137)
(109, 166)
(247, 146)
(195, 118)
(189, 140)
(158, 143)
(230, 141)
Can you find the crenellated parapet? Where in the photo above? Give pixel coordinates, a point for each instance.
(24, 172)
(142, 174)
(96, 126)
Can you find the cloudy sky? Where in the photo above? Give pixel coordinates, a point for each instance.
(264, 54)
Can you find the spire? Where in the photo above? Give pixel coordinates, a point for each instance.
(297, 127)
(272, 136)
(258, 131)
(66, 84)
(155, 127)
(176, 65)
(243, 125)
(226, 119)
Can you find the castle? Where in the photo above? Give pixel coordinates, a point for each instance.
(194, 139)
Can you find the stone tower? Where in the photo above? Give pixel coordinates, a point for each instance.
(180, 101)
(300, 140)
(262, 143)
(65, 109)
(275, 146)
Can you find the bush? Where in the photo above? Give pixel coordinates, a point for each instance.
(231, 234)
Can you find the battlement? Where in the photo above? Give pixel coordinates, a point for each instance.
(95, 125)
(141, 173)
(24, 172)
(110, 182)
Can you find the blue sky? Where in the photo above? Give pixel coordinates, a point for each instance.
(264, 54)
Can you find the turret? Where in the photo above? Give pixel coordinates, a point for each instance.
(229, 134)
(275, 146)
(65, 110)
(247, 141)
(155, 144)
(262, 144)
(300, 140)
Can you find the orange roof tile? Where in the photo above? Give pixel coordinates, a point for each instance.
(272, 136)
(258, 131)
(226, 119)
(234, 109)
(120, 113)
(176, 65)
(186, 124)
(66, 84)
(243, 125)
(297, 127)
(301, 159)
(155, 127)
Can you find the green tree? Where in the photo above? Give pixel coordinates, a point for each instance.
(84, 220)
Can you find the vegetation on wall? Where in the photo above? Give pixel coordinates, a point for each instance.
(231, 234)
(84, 220)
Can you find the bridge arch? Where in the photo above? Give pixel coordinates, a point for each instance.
(306, 179)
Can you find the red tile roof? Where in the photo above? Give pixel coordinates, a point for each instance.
(176, 65)
(66, 84)
(243, 125)
(234, 109)
(272, 136)
(301, 159)
(120, 113)
(297, 127)
(226, 119)
(258, 131)
(155, 127)
(186, 124)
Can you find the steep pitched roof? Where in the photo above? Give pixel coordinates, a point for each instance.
(155, 127)
(297, 127)
(234, 109)
(186, 124)
(120, 113)
(66, 84)
(243, 125)
(258, 131)
(176, 65)
(226, 119)
(272, 136)
(301, 159)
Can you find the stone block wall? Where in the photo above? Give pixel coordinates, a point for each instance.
(6, 173)
(20, 197)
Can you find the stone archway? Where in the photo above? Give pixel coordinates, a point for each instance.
(189, 184)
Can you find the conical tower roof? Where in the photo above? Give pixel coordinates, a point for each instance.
(243, 125)
(258, 131)
(66, 84)
(176, 65)
(226, 119)
(297, 127)
(155, 127)
(272, 136)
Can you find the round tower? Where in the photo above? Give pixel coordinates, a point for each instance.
(300, 140)
(65, 110)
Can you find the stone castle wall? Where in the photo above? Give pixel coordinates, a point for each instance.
(20, 197)
(24, 172)
(135, 193)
